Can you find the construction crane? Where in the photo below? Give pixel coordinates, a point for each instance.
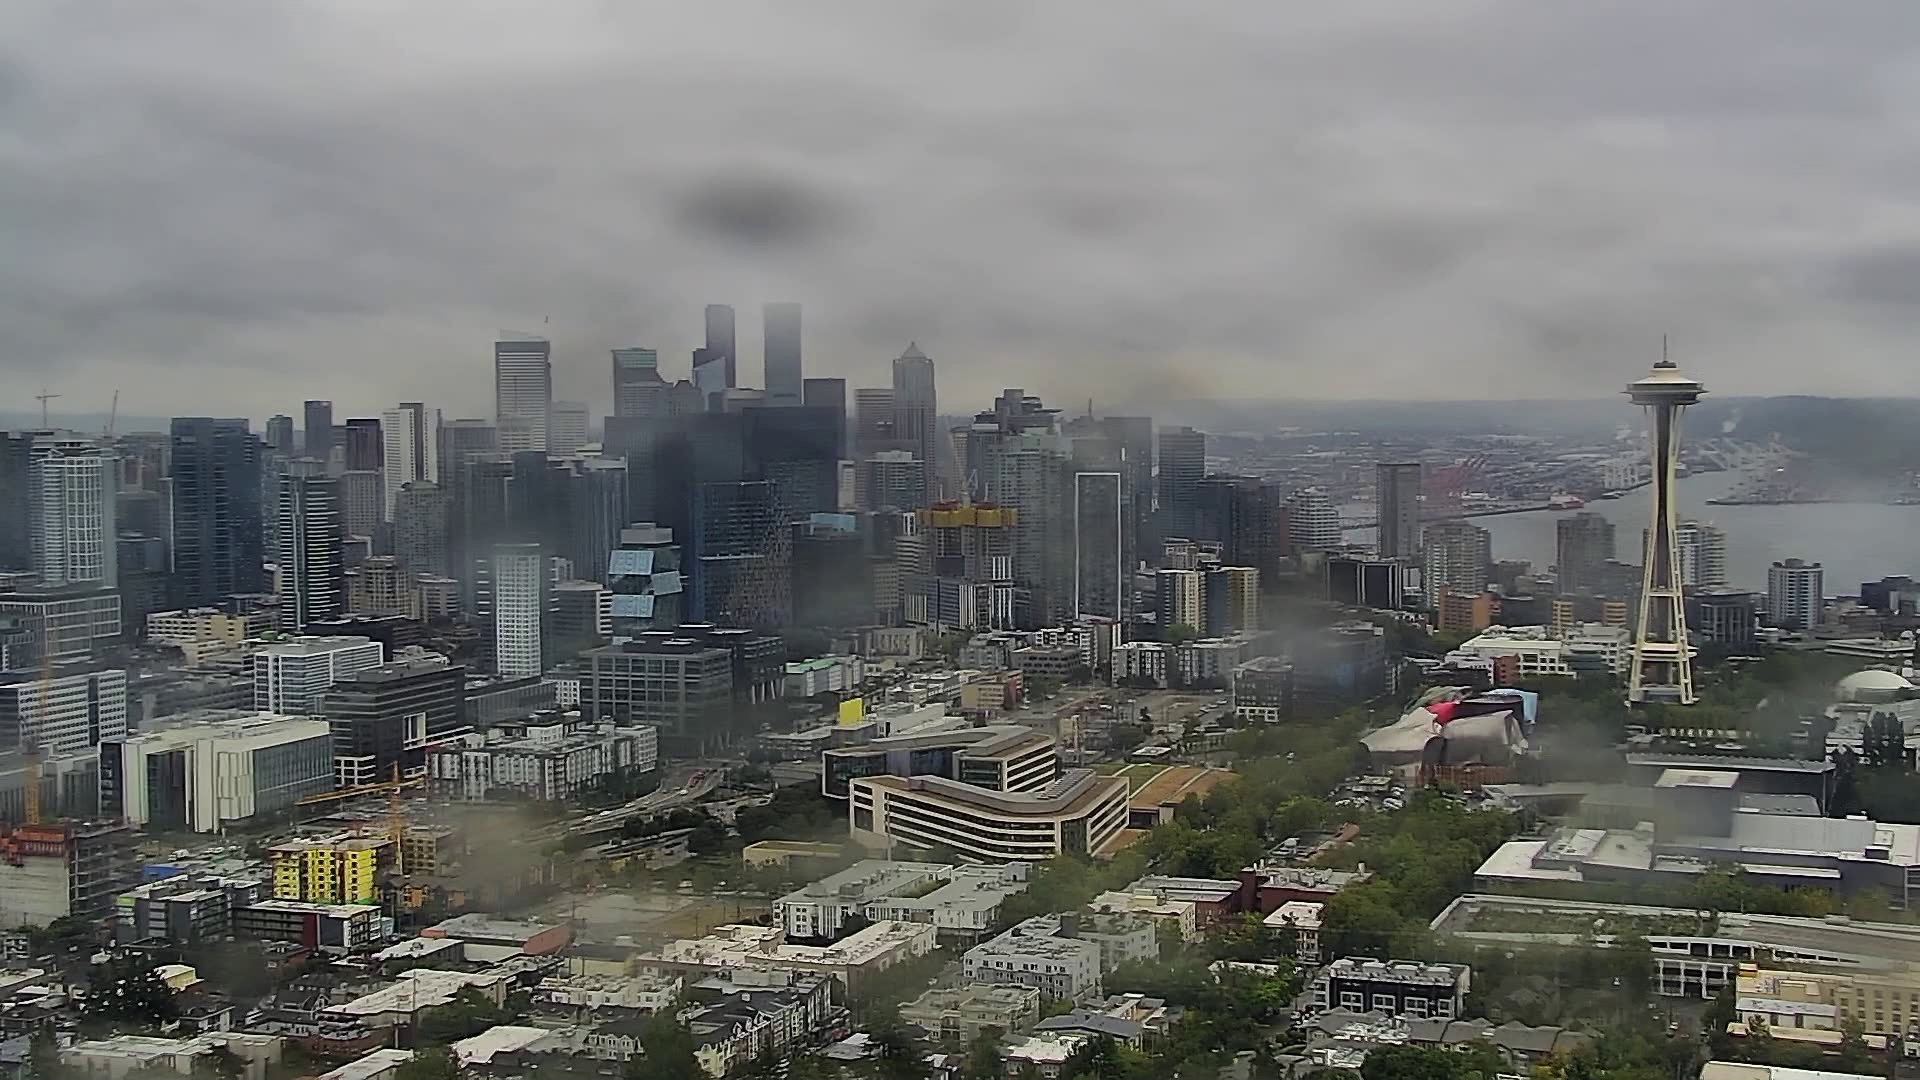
(113, 416)
(342, 794)
(43, 397)
(397, 823)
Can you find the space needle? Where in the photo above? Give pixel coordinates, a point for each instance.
(1662, 668)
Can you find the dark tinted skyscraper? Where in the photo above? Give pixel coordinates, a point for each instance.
(742, 570)
(364, 445)
(784, 378)
(638, 389)
(916, 410)
(1583, 545)
(1183, 464)
(216, 509)
(1397, 492)
(720, 343)
(319, 429)
(15, 458)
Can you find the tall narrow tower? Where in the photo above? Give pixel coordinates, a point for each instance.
(1662, 670)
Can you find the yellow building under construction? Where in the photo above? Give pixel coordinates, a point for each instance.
(331, 870)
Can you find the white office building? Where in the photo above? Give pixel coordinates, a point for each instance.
(1081, 813)
(68, 714)
(289, 677)
(208, 773)
(522, 596)
(567, 431)
(1795, 592)
(410, 449)
(1586, 647)
(70, 510)
(522, 391)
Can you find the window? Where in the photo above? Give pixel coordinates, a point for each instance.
(1353, 999)
(1383, 1002)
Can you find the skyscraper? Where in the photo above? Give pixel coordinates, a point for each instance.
(916, 409)
(71, 513)
(1583, 546)
(1397, 494)
(1182, 599)
(638, 389)
(1662, 658)
(319, 429)
(411, 448)
(720, 347)
(421, 512)
(216, 509)
(522, 610)
(280, 433)
(1183, 464)
(1458, 557)
(741, 574)
(1247, 516)
(829, 394)
(875, 422)
(571, 419)
(1703, 554)
(312, 571)
(523, 391)
(366, 445)
(1796, 590)
(16, 485)
(1099, 571)
(1312, 522)
(784, 376)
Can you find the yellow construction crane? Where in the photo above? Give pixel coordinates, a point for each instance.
(397, 823)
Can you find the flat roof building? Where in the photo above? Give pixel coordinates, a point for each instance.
(1081, 813)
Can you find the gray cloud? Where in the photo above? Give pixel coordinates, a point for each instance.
(231, 205)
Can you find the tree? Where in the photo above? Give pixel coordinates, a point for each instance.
(130, 995)
(1853, 1047)
(43, 1056)
(984, 1059)
(1180, 634)
(429, 1063)
(1096, 1059)
(1884, 743)
(666, 1052)
(220, 1063)
(900, 1058)
(1412, 1063)
(468, 1014)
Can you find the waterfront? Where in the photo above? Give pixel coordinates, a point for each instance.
(1855, 541)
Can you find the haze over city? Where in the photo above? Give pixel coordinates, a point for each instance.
(211, 204)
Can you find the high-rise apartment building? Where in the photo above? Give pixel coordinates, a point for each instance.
(66, 714)
(522, 609)
(638, 389)
(363, 506)
(1182, 599)
(1796, 591)
(1312, 522)
(309, 555)
(1703, 554)
(410, 448)
(784, 376)
(1231, 598)
(1247, 517)
(71, 512)
(216, 510)
(1584, 545)
(462, 440)
(1183, 464)
(568, 433)
(523, 391)
(645, 576)
(956, 563)
(1397, 495)
(1458, 558)
(1099, 570)
(318, 432)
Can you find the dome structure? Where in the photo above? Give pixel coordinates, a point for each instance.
(1874, 684)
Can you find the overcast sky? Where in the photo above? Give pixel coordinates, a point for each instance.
(228, 206)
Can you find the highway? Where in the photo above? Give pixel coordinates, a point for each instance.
(683, 785)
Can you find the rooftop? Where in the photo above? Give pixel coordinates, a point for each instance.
(488, 927)
(1074, 792)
